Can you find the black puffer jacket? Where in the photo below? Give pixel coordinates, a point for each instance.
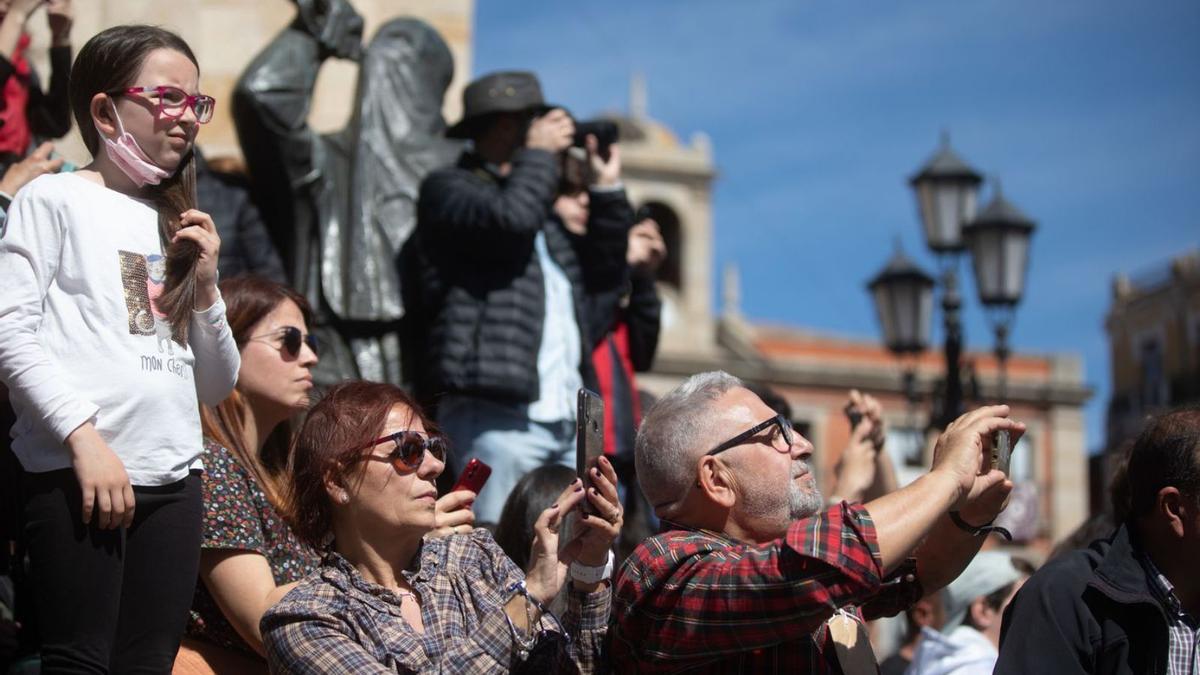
(1090, 611)
(474, 287)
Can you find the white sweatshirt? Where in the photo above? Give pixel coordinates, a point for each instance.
(81, 340)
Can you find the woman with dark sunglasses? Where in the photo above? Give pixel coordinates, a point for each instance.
(250, 557)
(389, 597)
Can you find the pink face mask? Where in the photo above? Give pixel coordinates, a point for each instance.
(131, 160)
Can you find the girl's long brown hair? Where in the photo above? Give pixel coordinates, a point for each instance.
(109, 63)
(247, 300)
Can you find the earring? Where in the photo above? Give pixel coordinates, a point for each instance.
(343, 498)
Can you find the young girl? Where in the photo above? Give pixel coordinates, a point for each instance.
(111, 326)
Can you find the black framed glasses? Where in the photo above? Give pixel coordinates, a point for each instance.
(173, 101)
(784, 429)
(292, 339)
(408, 449)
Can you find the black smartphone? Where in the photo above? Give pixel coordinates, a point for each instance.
(589, 435)
(853, 415)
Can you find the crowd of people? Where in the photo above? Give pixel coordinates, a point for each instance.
(184, 492)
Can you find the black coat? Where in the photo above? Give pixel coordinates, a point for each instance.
(246, 246)
(48, 112)
(1090, 611)
(474, 287)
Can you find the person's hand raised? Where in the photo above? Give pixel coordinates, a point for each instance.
(552, 132)
(61, 16)
(960, 449)
(453, 514)
(647, 250)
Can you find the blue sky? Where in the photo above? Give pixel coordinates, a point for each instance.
(1087, 110)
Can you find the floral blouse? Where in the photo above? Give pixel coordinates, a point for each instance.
(238, 516)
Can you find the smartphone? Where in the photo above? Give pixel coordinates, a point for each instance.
(853, 415)
(1001, 450)
(473, 476)
(589, 436)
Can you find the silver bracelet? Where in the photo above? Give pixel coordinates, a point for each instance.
(526, 643)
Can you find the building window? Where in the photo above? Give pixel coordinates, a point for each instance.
(1153, 386)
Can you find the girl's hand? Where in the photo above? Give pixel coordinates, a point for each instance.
(547, 571)
(102, 479)
(601, 527)
(453, 514)
(198, 227)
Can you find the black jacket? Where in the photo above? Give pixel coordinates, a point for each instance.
(48, 112)
(246, 246)
(1090, 611)
(473, 285)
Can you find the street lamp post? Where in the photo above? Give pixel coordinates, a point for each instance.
(947, 190)
(999, 243)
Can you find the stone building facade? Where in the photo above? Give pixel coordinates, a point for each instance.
(1153, 327)
(226, 34)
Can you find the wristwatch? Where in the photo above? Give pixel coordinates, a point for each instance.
(588, 574)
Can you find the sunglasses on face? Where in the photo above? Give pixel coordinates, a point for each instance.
(173, 101)
(783, 430)
(408, 450)
(292, 340)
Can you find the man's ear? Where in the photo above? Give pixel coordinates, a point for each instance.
(982, 615)
(1170, 508)
(714, 482)
(101, 109)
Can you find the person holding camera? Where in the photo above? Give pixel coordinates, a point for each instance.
(30, 114)
(750, 573)
(496, 289)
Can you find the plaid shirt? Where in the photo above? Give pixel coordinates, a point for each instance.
(1183, 656)
(697, 601)
(336, 621)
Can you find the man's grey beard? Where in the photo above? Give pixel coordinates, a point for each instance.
(802, 502)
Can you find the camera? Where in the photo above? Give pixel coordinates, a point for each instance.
(605, 131)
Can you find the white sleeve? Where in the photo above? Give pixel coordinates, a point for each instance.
(31, 245)
(217, 356)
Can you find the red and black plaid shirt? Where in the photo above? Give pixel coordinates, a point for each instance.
(697, 601)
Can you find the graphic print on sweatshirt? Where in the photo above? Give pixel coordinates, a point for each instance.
(143, 277)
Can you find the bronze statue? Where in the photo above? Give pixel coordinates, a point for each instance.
(341, 205)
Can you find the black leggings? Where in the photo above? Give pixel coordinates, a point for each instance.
(111, 600)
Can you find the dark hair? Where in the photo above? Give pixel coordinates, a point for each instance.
(1167, 453)
(994, 600)
(534, 493)
(248, 299)
(1118, 483)
(350, 415)
(110, 61)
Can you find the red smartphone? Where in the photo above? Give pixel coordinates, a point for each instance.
(473, 476)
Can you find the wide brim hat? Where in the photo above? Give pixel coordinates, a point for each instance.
(502, 92)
